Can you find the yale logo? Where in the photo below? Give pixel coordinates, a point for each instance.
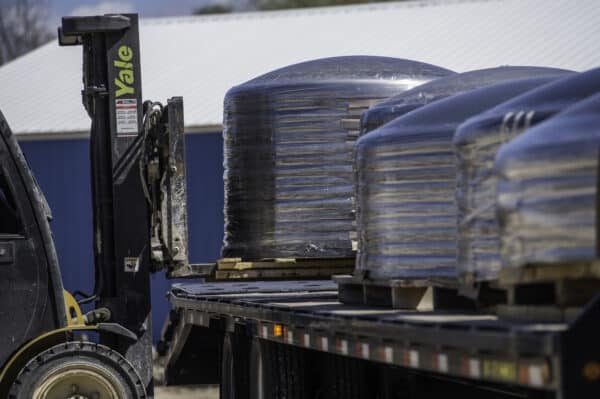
(125, 80)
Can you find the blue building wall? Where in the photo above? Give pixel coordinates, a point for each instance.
(62, 168)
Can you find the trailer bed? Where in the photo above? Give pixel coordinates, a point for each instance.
(463, 344)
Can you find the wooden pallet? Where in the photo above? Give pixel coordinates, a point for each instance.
(282, 268)
(549, 292)
(401, 294)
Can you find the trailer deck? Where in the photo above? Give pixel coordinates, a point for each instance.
(464, 344)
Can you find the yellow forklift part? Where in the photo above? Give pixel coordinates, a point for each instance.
(74, 315)
(75, 322)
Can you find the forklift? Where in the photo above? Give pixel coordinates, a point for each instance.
(49, 349)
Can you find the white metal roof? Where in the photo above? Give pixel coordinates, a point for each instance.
(200, 58)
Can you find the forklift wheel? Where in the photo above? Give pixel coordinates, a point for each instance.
(78, 370)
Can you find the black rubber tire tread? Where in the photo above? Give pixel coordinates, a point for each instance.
(33, 371)
(287, 369)
(235, 367)
(227, 381)
(260, 361)
(295, 367)
(280, 371)
(271, 378)
(342, 378)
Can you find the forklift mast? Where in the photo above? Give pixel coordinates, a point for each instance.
(138, 180)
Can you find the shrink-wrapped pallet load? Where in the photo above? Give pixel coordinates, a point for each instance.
(476, 143)
(383, 112)
(406, 178)
(288, 144)
(547, 190)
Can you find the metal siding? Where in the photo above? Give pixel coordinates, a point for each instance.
(41, 90)
(62, 168)
(204, 162)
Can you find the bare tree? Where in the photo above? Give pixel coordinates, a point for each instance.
(23, 27)
(213, 9)
(230, 6)
(285, 4)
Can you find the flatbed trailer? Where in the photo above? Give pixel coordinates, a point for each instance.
(460, 352)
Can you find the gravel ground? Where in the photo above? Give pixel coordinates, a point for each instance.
(201, 392)
(179, 392)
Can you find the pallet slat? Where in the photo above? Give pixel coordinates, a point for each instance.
(550, 293)
(237, 268)
(546, 273)
(401, 294)
(277, 273)
(285, 263)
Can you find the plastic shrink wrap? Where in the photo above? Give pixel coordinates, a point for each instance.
(476, 143)
(547, 189)
(383, 112)
(288, 142)
(406, 172)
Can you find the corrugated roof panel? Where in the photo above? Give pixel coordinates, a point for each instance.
(200, 58)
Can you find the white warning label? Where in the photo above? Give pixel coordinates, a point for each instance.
(126, 111)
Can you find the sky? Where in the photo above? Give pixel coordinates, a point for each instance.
(146, 8)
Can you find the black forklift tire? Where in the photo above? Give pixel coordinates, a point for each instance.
(260, 383)
(278, 371)
(78, 368)
(235, 367)
(292, 368)
(343, 378)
